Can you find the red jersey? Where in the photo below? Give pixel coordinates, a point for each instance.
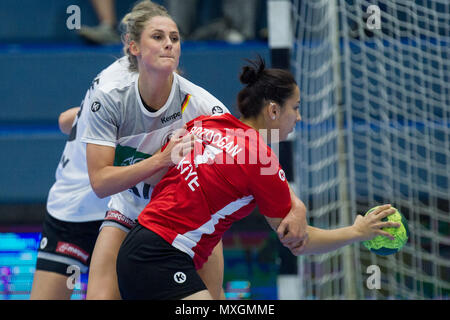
(229, 172)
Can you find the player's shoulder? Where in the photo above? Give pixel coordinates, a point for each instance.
(197, 93)
(119, 65)
(116, 76)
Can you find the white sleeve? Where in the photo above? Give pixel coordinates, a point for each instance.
(102, 120)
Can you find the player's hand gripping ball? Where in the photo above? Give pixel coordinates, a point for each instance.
(382, 245)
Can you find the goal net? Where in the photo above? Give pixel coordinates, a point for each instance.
(374, 78)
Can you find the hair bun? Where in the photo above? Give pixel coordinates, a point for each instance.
(249, 75)
(252, 72)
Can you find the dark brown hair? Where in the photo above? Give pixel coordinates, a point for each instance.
(263, 85)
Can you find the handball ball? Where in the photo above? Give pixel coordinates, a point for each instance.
(385, 246)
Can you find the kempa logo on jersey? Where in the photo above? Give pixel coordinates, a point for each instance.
(171, 117)
(217, 110)
(95, 106)
(72, 250)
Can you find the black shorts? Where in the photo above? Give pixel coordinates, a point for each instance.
(149, 268)
(65, 244)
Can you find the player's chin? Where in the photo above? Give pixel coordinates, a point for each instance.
(168, 65)
(284, 136)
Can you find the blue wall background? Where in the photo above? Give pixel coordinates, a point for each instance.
(33, 21)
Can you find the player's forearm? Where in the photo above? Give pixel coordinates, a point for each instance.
(114, 179)
(322, 241)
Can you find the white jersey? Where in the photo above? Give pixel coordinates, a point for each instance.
(119, 119)
(71, 197)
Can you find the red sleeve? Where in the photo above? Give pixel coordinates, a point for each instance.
(270, 189)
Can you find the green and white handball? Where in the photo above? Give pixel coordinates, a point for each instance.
(384, 246)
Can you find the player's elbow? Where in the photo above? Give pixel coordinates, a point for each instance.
(98, 188)
(66, 119)
(296, 252)
(99, 193)
(300, 252)
(300, 206)
(63, 125)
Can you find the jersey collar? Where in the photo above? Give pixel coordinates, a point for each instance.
(165, 106)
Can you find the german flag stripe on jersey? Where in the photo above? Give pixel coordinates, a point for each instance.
(185, 102)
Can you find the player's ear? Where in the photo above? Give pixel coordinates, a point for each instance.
(134, 48)
(273, 110)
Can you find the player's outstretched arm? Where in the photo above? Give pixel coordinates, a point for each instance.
(292, 230)
(364, 228)
(66, 119)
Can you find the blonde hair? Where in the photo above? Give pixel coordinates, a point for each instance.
(133, 24)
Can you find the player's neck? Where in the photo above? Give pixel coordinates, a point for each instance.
(155, 90)
(263, 126)
(257, 123)
(251, 122)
